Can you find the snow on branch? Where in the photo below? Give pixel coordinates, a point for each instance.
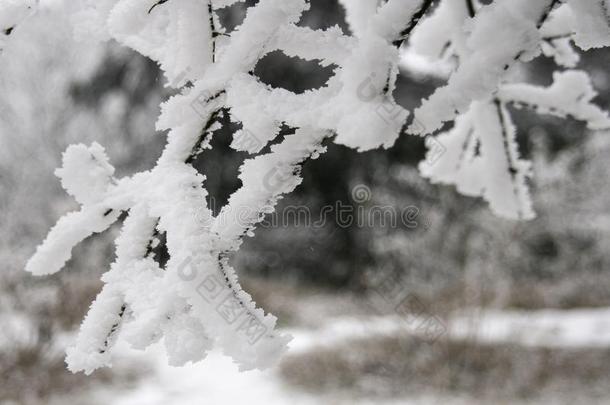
(569, 95)
(194, 302)
(484, 46)
(496, 38)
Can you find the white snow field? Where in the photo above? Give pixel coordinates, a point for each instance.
(218, 381)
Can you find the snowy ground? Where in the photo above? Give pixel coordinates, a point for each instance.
(546, 328)
(217, 381)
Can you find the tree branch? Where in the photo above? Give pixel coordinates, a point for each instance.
(404, 34)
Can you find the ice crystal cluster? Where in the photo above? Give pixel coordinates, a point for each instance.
(194, 301)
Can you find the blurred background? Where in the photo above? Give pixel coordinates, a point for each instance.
(454, 305)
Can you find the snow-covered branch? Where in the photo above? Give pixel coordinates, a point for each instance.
(195, 301)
